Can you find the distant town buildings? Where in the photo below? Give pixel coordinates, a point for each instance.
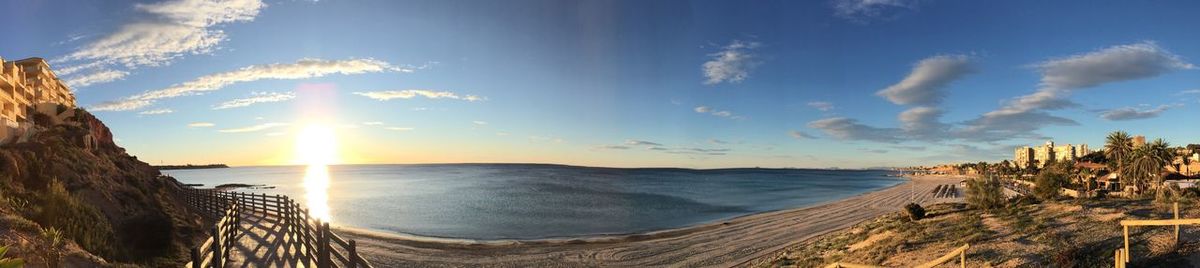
(27, 87)
(1026, 157)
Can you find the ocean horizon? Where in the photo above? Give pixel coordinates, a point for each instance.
(545, 201)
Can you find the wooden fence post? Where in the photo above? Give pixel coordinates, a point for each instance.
(196, 257)
(218, 259)
(1176, 208)
(353, 254)
(324, 244)
(1126, 253)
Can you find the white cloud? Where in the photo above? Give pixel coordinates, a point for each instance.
(641, 143)
(201, 124)
(1060, 77)
(821, 105)
(732, 64)
(275, 134)
(718, 113)
(849, 129)
(156, 112)
(399, 128)
(373, 123)
(254, 128)
(1190, 91)
(923, 86)
(411, 93)
(863, 11)
(101, 76)
(1131, 113)
(173, 29)
(256, 97)
(801, 135)
(301, 69)
(480, 123)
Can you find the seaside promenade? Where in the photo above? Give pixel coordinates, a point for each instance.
(734, 242)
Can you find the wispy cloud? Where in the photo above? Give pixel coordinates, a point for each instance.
(1131, 113)
(641, 143)
(1190, 91)
(399, 128)
(173, 30)
(823, 106)
(732, 64)
(718, 113)
(156, 112)
(801, 135)
(1024, 115)
(200, 124)
(479, 123)
(865, 11)
(411, 93)
(849, 129)
(373, 123)
(924, 85)
(259, 127)
(256, 97)
(100, 76)
(301, 69)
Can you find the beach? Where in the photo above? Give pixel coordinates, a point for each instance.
(733, 242)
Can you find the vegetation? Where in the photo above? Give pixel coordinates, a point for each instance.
(53, 247)
(1144, 166)
(1048, 184)
(1117, 148)
(985, 193)
(75, 220)
(915, 211)
(9, 262)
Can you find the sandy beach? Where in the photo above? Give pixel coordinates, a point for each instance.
(727, 243)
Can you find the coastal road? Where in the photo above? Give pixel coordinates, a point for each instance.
(722, 244)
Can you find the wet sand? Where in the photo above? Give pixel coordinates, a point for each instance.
(725, 243)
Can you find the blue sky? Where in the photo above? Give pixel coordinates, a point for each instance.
(842, 83)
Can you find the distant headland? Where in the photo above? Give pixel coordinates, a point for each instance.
(191, 166)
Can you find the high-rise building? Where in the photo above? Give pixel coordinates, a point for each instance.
(1026, 157)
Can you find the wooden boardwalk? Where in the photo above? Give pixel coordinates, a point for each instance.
(257, 230)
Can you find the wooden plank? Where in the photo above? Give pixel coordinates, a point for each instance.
(945, 258)
(1160, 222)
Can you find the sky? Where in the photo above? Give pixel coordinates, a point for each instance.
(700, 84)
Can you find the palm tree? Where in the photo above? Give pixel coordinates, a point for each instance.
(1145, 165)
(1117, 147)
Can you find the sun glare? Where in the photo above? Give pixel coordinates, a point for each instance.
(316, 146)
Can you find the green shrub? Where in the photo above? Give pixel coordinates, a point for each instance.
(1048, 184)
(985, 193)
(53, 244)
(9, 262)
(77, 220)
(915, 211)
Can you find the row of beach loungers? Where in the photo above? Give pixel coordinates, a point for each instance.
(945, 191)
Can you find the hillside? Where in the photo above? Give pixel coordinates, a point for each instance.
(110, 207)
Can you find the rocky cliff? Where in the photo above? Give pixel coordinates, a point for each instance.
(110, 207)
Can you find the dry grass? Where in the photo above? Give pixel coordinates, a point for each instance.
(1058, 234)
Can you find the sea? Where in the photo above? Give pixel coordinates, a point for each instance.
(537, 201)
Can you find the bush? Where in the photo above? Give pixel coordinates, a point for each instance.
(9, 262)
(985, 193)
(1048, 184)
(75, 219)
(915, 211)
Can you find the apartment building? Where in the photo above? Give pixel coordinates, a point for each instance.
(26, 85)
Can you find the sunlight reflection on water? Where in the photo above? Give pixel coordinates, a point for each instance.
(316, 185)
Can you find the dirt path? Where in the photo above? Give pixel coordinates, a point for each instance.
(721, 244)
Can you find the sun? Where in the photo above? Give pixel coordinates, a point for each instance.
(316, 144)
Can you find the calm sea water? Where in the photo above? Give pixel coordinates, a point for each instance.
(519, 201)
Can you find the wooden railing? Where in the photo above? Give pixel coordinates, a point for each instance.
(960, 252)
(311, 239)
(1121, 257)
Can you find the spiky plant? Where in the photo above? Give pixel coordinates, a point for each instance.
(54, 241)
(9, 262)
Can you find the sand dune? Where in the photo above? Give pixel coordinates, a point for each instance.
(721, 244)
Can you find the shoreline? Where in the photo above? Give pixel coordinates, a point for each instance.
(589, 238)
(728, 242)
